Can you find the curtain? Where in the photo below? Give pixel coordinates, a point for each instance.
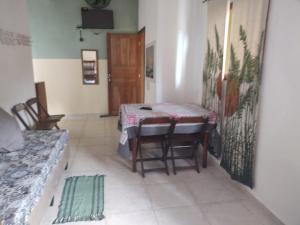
(212, 73)
(235, 100)
(244, 73)
(213, 65)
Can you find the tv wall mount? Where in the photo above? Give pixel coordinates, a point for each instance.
(98, 4)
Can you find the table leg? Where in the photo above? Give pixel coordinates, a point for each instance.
(133, 148)
(205, 150)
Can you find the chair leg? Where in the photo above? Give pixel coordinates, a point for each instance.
(141, 159)
(173, 160)
(164, 150)
(164, 156)
(196, 157)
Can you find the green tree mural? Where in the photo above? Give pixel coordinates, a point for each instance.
(212, 74)
(236, 98)
(240, 114)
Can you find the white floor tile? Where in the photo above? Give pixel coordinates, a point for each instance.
(229, 213)
(260, 212)
(125, 199)
(103, 150)
(159, 178)
(186, 176)
(86, 162)
(170, 195)
(93, 132)
(212, 191)
(140, 218)
(181, 216)
(92, 141)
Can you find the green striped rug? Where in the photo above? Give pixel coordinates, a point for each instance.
(82, 199)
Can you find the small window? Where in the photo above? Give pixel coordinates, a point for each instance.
(89, 60)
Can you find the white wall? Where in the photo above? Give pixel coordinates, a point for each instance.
(16, 76)
(148, 17)
(196, 54)
(64, 88)
(278, 154)
(181, 50)
(177, 27)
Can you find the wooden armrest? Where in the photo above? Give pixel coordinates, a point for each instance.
(55, 118)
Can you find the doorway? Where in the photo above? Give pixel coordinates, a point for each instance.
(126, 69)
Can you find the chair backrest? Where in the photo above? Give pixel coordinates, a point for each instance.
(39, 108)
(31, 103)
(190, 125)
(22, 108)
(196, 119)
(165, 126)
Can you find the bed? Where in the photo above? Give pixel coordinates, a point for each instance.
(28, 177)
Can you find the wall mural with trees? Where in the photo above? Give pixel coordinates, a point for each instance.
(243, 75)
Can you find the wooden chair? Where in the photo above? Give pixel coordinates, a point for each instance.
(184, 140)
(37, 125)
(49, 118)
(159, 136)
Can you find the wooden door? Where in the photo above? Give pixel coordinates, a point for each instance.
(126, 81)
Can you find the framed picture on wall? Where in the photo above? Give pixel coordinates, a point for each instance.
(150, 60)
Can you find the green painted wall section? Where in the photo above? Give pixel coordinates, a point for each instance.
(54, 33)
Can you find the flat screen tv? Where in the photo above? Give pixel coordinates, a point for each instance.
(97, 19)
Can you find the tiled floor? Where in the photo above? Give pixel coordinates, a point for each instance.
(208, 198)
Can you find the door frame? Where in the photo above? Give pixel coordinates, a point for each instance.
(141, 51)
(108, 73)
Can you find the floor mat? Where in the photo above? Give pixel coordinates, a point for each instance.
(82, 199)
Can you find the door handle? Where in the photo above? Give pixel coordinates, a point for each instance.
(109, 77)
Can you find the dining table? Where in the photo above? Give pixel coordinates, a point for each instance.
(131, 114)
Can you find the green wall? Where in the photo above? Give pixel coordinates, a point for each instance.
(53, 27)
